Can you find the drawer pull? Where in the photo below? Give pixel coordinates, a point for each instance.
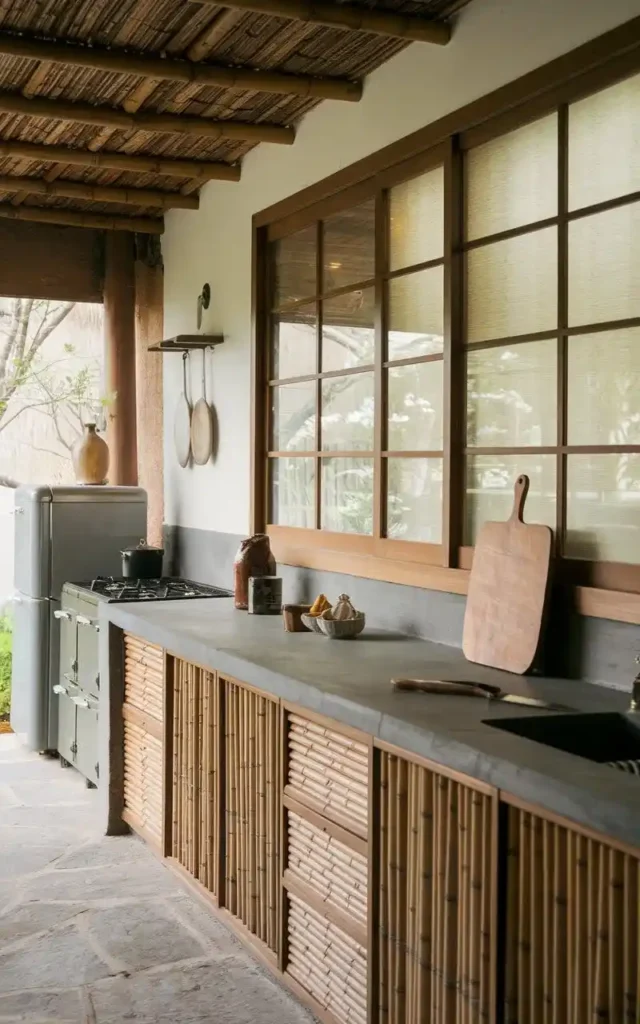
(82, 620)
(61, 614)
(58, 688)
(81, 702)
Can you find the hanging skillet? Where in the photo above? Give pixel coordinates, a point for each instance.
(202, 423)
(182, 420)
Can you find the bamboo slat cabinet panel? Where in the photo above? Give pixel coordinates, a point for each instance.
(252, 811)
(142, 711)
(195, 831)
(326, 866)
(436, 901)
(572, 926)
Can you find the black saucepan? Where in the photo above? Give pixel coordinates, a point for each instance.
(143, 562)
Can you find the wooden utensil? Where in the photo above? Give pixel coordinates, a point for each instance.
(202, 423)
(182, 421)
(508, 588)
(464, 689)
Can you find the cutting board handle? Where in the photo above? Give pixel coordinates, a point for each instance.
(520, 491)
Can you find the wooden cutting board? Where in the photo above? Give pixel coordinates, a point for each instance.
(508, 588)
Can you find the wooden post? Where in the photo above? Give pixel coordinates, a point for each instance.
(120, 353)
(149, 369)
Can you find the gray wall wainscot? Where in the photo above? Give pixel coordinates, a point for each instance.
(577, 647)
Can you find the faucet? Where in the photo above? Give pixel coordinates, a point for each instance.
(635, 690)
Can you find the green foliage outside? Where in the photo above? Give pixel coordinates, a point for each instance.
(5, 666)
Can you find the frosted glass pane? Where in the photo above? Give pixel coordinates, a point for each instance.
(604, 388)
(511, 395)
(348, 335)
(347, 495)
(293, 500)
(414, 500)
(347, 412)
(603, 507)
(294, 343)
(604, 266)
(490, 480)
(513, 180)
(415, 407)
(604, 145)
(349, 246)
(416, 314)
(293, 417)
(295, 266)
(512, 286)
(416, 214)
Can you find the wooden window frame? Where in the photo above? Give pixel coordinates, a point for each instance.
(587, 70)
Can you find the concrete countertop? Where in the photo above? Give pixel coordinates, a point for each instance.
(349, 682)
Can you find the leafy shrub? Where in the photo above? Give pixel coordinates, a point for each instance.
(5, 666)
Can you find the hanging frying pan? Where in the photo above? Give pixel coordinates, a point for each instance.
(202, 423)
(182, 420)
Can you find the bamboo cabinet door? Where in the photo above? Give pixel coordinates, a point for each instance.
(326, 863)
(194, 836)
(143, 711)
(252, 811)
(436, 897)
(572, 926)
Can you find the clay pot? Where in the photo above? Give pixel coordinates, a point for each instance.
(90, 457)
(254, 558)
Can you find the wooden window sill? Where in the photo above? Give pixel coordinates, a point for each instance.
(350, 556)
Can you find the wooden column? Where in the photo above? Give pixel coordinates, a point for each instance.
(149, 283)
(119, 328)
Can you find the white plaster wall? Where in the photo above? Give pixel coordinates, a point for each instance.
(495, 41)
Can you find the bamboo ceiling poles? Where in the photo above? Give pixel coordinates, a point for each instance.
(177, 70)
(98, 193)
(385, 23)
(72, 218)
(109, 117)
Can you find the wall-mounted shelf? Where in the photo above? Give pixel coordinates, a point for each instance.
(188, 343)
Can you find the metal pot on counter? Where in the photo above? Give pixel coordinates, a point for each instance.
(142, 562)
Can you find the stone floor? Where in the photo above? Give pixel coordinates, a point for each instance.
(95, 930)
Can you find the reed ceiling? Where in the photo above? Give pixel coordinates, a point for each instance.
(190, 38)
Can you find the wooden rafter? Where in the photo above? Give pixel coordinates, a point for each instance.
(72, 218)
(384, 23)
(199, 170)
(98, 193)
(108, 117)
(173, 70)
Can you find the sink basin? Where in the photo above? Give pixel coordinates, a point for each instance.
(598, 737)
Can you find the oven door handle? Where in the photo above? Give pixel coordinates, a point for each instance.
(82, 620)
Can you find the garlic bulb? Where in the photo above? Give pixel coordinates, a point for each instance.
(344, 609)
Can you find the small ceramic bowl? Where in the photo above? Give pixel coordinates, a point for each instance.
(342, 629)
(311, 622)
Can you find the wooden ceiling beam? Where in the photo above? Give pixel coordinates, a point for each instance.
(173, 124)
(412, 27)
(124, 162)
(98, 193)
(176, 70)
(73, 218)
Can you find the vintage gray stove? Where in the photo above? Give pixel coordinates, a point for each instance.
(78, 688)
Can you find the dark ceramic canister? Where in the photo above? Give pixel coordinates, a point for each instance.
(254, 558)
(265, 595)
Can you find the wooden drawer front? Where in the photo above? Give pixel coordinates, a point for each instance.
(194, 832)
(573, 927)
(144, 675)
(329, 771)
(329, 964)
(252, 870)
(436, 925)
(338, 874)
(143, 781)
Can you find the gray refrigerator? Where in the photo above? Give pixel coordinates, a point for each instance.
(61, 534)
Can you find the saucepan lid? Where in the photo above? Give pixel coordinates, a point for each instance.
(142, 546)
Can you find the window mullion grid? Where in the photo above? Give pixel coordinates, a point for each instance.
(453, 409)
(380, 379)
(319, 314)
(563, 320)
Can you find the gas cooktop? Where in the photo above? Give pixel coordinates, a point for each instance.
(117, 588)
